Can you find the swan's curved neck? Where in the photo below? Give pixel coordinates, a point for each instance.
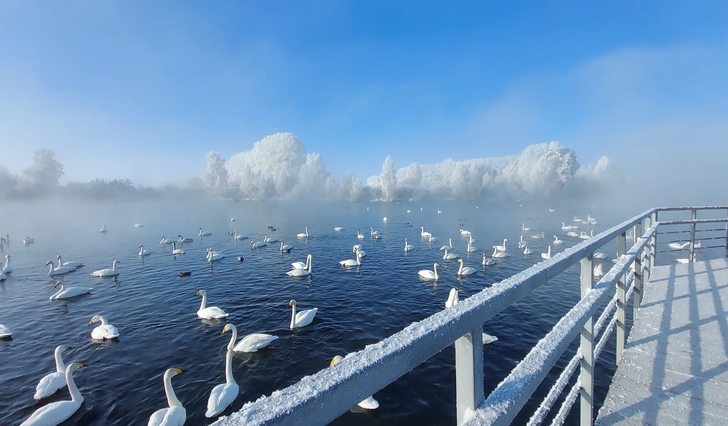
(358, 257)
(460, 271)
(50, 268)
(307, 231)
(504, 242)
(113, 266)
(172, 400)
(103, 320)
(309, 263)
(229, 379)
(549, 251)
(204, 301)
(60, 260)
(60, 290)
(495, 250)
(434, 269)
(60, 366)
(75, 394)
(293, 316)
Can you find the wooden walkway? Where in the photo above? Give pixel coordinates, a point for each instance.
(674, 370)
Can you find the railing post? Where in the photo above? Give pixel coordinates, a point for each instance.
(621, 302)
(726, 235)
(637, 301)
(692, 235)
(653, 244)
(587, 349)
(469, 372)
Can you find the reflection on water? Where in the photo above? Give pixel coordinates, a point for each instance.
(155, 309)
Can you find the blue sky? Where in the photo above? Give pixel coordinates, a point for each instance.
(143, 90)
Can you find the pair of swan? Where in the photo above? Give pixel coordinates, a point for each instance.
(301, 272)
(374, 234)
(105, 331)
(521, 244)
(427, 274)
(107, 272)
(465, 270)
(565, 227)
(209, 312)
(303, 234)
(67, 293)
(59, 411)
(498, 253)
(407, 246)
(527, 250)
(59, 270)
(452, 300)
(585, 236)
(352, 262)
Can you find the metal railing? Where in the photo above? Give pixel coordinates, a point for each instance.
(322, 397)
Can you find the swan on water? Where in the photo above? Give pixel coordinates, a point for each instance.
(540, 236)
(352, 262)
(339, 228)
(465, 233)
(524, 228)
(674, 246)
(67, 293)
(546, 255)
(181, 239)
(447, 247)
(254, 341)
(5, 332)
(103, 229)
(598, 270)
(59, 411)
(572, 234)
(302, 272)
(302, 265)
(138, 225)
(303, 318)
(73, 265)
(59, 270)
(449, 256)
(503, 247)
(498, 253)
(143, 252)
(6, 269)
(224, 394)
(52, 382)
(429, 275)
(576, 219)
(521, 244)
(452, 300)
(3, 276)
(375, 234)
(105, 331)
(359, 235)
(204, 234)
(269, 240)
(385, 220)
(175, 414)
(557, 241)
(585, 236)
(551, 210)
(527, 250)
(303, 234)
(175, 250)
(431, 238)
(356, 248)
(424, 233)
(237, 236)
(407, 247)
(209, 312)
(256, 244)
(465, 270)
(488, 261)
(165, 240)
(28, 240)
(108, 272)
(471, 248)
(369, 403)
(565, 227)
(213, 256)
(285, 248)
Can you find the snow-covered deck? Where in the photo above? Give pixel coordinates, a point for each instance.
(674, 369)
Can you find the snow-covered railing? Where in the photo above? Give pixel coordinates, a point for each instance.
(322, 397)
(694, 222)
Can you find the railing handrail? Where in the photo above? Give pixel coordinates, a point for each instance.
(325, 395)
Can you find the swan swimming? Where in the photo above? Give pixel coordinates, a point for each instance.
(503, 247)
(103, 229)
(375, 234)
(181, 239)
(224, 394)
(59, 411)
(302, 265)
(424, 233)
(369, 403)
(175, 250)
(108, 272)
(5, 332)
(465, 233)
(540, 236)
(585, 236)
(357, 248)
(407, 247)
(498, 253)
(28, 240)
(67, 293)
(303, 318)
(431, 238)
(449, 256)
(105, 331)
(546, 255)
(524, 228)
(598, 270)
(429, 275)
(572, 234)
(302, 272)
(237, 236)
(303, 234)
(52, 382)
(521, 244)
(73, 265)
(674, 246)
(557, 241)
(252, 342)
(527, 250)
(565, 227)
(59, 270)
(6, 269)
(465, 270)
(213, 256)
(256, 244)
(165, 241)
(339, 228)
(447, 247)
(209, 312)
(204, 234)
(269, 240)
(359, 235)
(471, 248)
(352, 262)
(488, 261)
(175, 414)
(285, 248)
(143, 252)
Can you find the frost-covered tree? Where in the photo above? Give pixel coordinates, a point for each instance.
(388, 179)
(45, 170)
(216, 175)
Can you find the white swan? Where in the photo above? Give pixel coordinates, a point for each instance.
(449, 256)
(339, 228)
(59, 411)
(540, 236)
(385, 220)
(407, 247)
(471, 248)
(527, 250)
(600, 255)
(303, 318)
(498, 253)
(303, 234)
(138, 225)
(108, 272)
(5, 332)
(565, 227)
(52, 382)
(431, 238)
(175, 250)
(429, 275)
(576, 219)
(256, 244)
(59, 270)
(465, 270)
(181, 239)
(521, 244)
(359, 235)
(175, 414)
(73, 265)
(6, 269)
(584, 236)
(489, 261)
(269, 240)
(224, 394)
(447, 247)
(351, 262)
(424, 233)
(103, 229)
(524, 228)
(369, 403)
(674, 246)
(3, 277)
(212, 255)
(209, 312)
(285, 248)
(503, 247)
(237, 236)
(375, 234)
(105, 331)
(67, 293)
(546, 255)
(557, 241)
(357, 248)
(452, 300)
(143, 251)
(165, 240)
(302, 272)
(302, 265)
(28, 240)
(204, 234)
(465, 233)
(551, 210)
(598, 270)
(572, 234)
(254, 341)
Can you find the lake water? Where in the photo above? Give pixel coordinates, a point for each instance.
(155, 309)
